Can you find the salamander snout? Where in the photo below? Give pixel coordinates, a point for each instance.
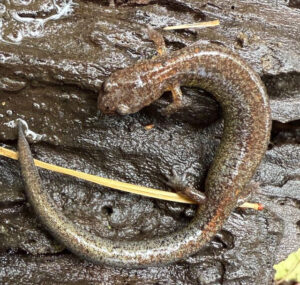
(111, 99)
(104, 105)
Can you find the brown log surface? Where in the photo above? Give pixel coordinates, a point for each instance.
(52, 64)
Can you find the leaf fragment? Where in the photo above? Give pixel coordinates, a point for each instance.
(289, 269)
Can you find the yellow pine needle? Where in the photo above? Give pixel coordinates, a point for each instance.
(123, 186)
(255, 206)
(194, 25)
(127, 187)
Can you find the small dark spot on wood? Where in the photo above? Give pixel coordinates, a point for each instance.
(107, 210)
(294, 4)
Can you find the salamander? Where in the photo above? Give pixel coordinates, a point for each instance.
(246, 112)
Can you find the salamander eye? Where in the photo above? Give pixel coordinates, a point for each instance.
(123, 109)
(108, 86)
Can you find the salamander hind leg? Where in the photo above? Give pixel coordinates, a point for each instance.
(180, 185)
(251, 188)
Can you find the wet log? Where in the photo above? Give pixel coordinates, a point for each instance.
(54, 56)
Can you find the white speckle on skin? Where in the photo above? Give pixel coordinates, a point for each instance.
(111, 84)
(123, 109)
(202, 72)
(139, 82)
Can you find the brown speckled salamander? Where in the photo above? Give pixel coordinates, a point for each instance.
(246, 113)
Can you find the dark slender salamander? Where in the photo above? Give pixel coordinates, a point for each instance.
(246, 113)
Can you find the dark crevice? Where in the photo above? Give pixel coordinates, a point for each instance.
(222, 273)
(13, 206)
(10, 144)
(285, 133)
(18, 251)
(278, 84)
(27, 15)
(107, 210)
(182, 6)
(51, 82)
(294, 4)
(214, 6)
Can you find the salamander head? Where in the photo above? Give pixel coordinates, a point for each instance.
(125, 92)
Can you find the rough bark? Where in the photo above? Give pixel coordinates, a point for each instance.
(50, 77)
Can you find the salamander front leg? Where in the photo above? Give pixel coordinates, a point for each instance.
(177, 101)
(180, 185)
(160, 44)
(158, 40)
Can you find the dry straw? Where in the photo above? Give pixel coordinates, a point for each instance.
(194, 25)
(123, 186)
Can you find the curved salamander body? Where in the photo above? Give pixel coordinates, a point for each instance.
(246, 113)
